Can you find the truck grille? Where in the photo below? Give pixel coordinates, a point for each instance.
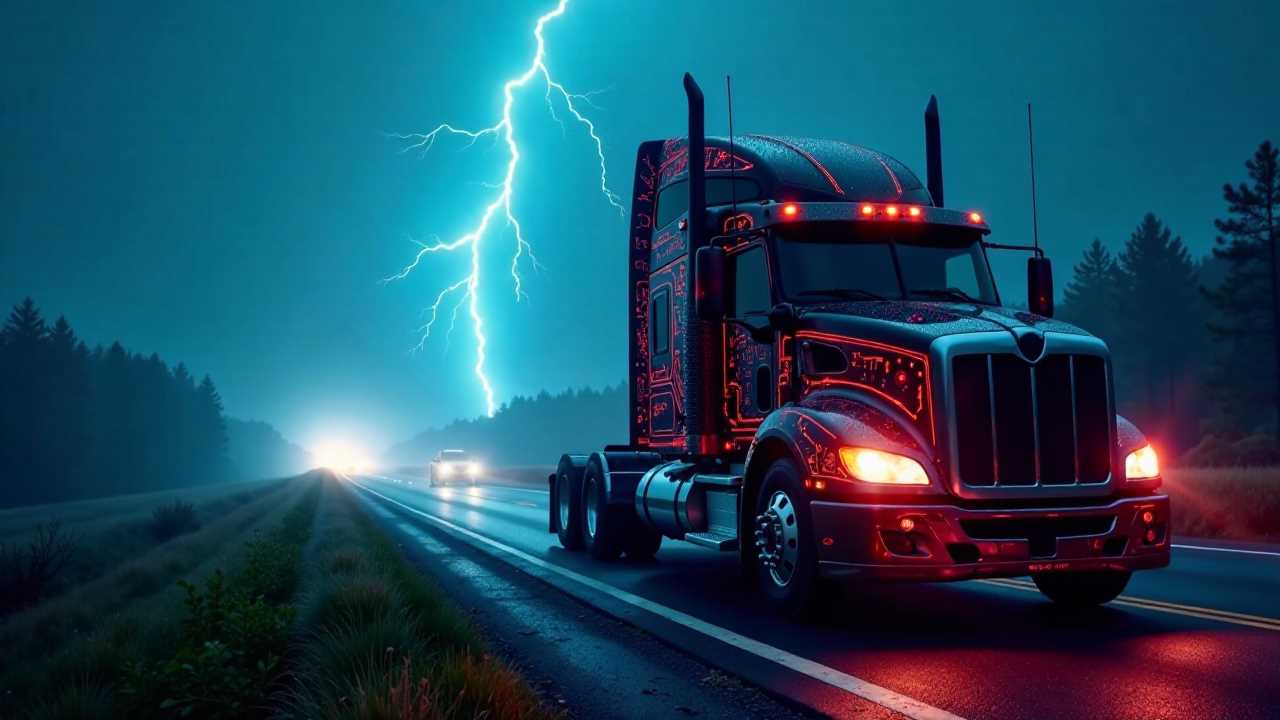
(1019, 424)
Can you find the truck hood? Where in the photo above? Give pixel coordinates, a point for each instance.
(915, 325)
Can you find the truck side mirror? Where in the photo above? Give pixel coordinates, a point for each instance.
(709, 284)
(1040, 285)
(782, 317)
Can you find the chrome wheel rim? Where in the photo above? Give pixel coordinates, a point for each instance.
(562, 493)
(590, 502)
(778, 538)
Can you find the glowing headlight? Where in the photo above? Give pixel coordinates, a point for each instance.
(446, 469)
(882, 468)
(1142, 464)
(473, 469)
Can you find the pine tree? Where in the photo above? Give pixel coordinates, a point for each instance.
(25, 328)
(1158, 318)
(24, 341)
(1089, 299)
(211, 429)
(1246, 324)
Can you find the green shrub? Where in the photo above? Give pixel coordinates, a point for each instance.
(228, 656)
(173, 519)
(271, 569)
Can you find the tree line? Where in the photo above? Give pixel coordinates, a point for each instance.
(1195, 342)
(79, 422)
(528, 430)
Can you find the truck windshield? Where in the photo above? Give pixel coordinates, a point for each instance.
(825, 262)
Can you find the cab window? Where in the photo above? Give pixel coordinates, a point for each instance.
(749, 275)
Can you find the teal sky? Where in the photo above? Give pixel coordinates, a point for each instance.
(214, 181)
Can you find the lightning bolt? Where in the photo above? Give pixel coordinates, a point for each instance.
(467, 288)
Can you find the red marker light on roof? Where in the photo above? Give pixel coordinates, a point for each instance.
(913, 211)
(790, 210)
(891, 211)
(868, 210)
(975, 217)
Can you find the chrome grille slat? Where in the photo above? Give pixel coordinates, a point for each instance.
(1050, 404)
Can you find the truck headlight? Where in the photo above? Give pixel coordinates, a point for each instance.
(882, 468)
(1142, 464)
(446, 469)
(473, 469)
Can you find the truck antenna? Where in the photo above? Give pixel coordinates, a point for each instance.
(1031, 148)
(733, 175)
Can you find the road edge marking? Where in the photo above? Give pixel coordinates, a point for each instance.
(1225, 616)
(1242, 551)
(882, 696)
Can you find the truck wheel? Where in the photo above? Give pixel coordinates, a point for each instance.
(786, 559)
(566, 502)
(603, 527)
(1082, 589)
(642, 541)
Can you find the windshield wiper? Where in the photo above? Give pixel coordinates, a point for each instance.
(953, 293)
(843, 294)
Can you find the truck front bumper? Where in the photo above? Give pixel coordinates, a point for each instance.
(946, 542)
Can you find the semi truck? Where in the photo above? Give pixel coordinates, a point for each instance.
(825, 381)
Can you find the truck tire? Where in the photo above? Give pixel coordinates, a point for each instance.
(785, 554)
(566, 501)
(603, 526)
(642, 541)
(1082, 589)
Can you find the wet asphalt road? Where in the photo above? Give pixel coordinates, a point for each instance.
(1200, 639)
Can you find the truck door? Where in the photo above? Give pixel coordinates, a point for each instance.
(750, 363)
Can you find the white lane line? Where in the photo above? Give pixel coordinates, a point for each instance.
(1242, 551)
(882, 696)
(1226, 616)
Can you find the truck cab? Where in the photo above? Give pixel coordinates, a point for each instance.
(826, 380)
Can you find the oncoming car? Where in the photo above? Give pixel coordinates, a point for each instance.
(450, 466)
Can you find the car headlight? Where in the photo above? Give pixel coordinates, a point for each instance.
(446, 469)
(1142, 464)
(882, 468)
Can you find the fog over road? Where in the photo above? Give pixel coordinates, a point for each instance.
(1200, 639)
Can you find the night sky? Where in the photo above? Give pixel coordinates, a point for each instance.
(215, 182)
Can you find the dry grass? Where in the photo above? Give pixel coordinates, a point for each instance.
(1228, 503)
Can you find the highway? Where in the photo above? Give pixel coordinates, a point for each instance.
(1200, 639)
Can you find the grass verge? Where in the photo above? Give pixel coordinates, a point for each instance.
(1225, 503)
(69, 657)
(381, 641)
(101, 535)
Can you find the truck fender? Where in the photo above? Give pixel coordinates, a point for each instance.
(622, 470)
(1128, 437)
(811, 434)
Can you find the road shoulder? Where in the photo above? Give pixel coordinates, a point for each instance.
(579, 659)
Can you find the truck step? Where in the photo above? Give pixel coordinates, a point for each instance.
(715, 541)
(730, 481)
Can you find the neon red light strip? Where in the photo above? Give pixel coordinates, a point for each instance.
(812, 160)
